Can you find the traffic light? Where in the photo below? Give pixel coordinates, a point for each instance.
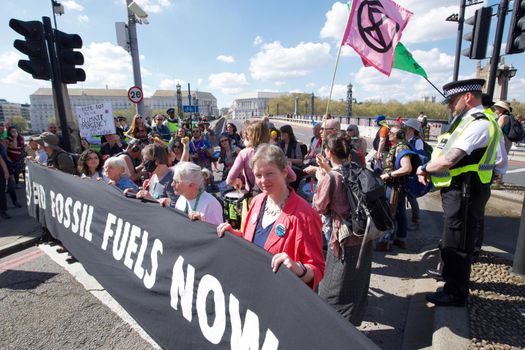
(68, 58)
(516, 37)
(34, 47)
(480, 33)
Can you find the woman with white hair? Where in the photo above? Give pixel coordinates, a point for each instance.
(188, 183)
(116, 170)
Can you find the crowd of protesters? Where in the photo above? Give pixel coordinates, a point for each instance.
(172, 162)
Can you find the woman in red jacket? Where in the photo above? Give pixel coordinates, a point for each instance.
(280, 221)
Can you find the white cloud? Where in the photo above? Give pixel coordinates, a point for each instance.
(336, 20)
(310, 85)
(228, 83)
(199, 81)
(153, 6)
(106, 63)
(9, 60)
(257, 41)
(170, 84)
(226, 59)
(83, 18)
(280, 83)
(72, 5)
(275, 62)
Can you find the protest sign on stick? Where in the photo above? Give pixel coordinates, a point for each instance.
(96, 119)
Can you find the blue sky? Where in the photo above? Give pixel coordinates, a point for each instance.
(235, 46)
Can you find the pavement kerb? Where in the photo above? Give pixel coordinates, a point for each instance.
(508, 196)
(20, 244)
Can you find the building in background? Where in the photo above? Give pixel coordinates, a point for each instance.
(253, 104)
(43, 108)
(10, 109)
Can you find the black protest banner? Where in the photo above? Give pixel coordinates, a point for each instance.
(183, 285)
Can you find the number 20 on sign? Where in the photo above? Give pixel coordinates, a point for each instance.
(135, 94)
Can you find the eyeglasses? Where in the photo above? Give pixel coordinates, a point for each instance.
(325, 129)
(225, 140)
(177, 147)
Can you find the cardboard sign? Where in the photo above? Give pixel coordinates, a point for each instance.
(96, 119)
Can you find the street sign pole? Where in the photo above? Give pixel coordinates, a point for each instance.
(461, 20)
(134, 50)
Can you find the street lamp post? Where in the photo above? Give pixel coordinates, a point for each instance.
(504, 74)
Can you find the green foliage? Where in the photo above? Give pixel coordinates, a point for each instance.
(20, 122)
(361, 109)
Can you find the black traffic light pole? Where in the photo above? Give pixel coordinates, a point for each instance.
(461, 20)
(58, 87)
(502, 13)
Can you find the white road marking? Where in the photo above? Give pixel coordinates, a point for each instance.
(519, 170)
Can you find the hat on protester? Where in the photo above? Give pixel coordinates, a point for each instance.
(48, 139)
(460, 87)
(413, 123)
(503, 104)
(380, 118)
(170, 110)
(37, 139)
(331, 124)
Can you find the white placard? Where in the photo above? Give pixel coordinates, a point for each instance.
(96, 119)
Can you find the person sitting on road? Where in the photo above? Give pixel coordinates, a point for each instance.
(90, 166)
(231, 129)
(116, 170)
(138, 129)
(159, 187)
(344, 286)
(207, 133)
(178, 151)
(37, 146)
(113, 146)
(194, 201)
(133, 159)
(280, 221)
(160, 129)
(200, 149)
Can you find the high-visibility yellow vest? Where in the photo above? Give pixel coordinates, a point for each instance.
(173, 126)
(484, 168)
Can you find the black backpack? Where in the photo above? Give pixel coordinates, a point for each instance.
(516, 131)
(370, 211)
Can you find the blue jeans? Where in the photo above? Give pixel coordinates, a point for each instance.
(414, 205)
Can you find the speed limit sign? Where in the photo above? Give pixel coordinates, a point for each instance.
(135, 94)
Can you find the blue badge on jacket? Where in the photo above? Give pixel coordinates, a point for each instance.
(280, 230)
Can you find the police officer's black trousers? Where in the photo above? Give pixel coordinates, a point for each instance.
(457, 259)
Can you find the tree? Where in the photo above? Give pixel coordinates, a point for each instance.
(20, 122)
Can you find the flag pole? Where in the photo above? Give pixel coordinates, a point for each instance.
(333, 78)
(434, 86)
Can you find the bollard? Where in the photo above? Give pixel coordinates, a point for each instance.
(518, 265)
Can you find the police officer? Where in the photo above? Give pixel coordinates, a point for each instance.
(462, 166)
(172, 122)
